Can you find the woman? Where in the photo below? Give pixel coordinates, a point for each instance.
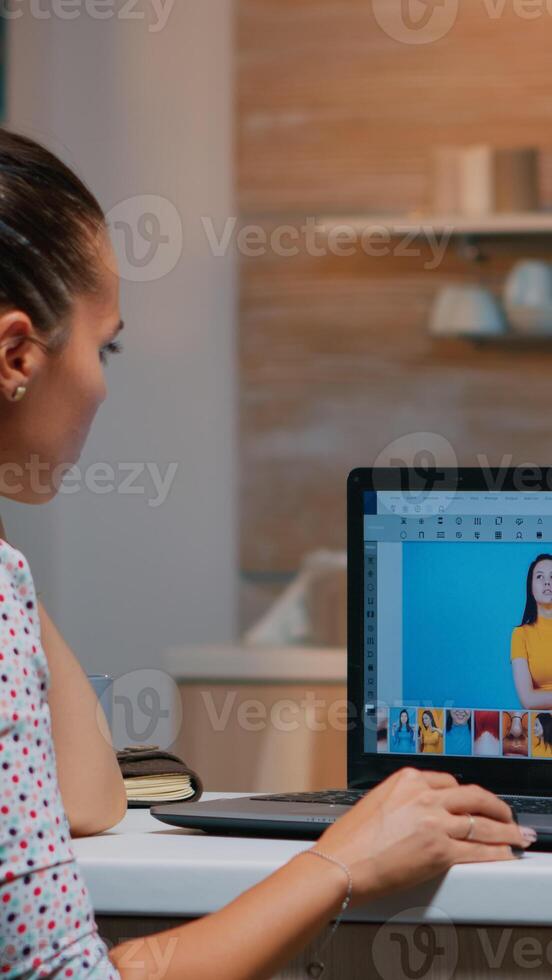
(59, 317)
(515, 740)
(542, 735)
(458, 738)
(531, 648)
(402, 735)
(430, 736)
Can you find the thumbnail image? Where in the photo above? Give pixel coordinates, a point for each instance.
(402, 730)
(458, 731)
(430, 730)
(486, 733)
(515, 737)
(383, 730)
(541, 734)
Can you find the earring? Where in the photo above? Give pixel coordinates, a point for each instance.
(19, 393)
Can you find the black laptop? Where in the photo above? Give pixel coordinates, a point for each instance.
(449, 647)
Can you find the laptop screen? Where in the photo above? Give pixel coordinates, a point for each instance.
(458, 624)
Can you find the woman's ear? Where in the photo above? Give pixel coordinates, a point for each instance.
(20, 355)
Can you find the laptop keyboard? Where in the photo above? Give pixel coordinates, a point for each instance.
(348, 797)
(529, 804)
(344, 797)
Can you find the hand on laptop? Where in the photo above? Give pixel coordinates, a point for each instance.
(415, 826)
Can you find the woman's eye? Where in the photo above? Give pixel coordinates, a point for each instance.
(113, 348)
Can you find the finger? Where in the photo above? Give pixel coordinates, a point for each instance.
(474, 799)
(468, 853)
(484, 831)
(439, 780)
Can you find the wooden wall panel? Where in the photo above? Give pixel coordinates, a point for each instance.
(335, 357)
(335, 114)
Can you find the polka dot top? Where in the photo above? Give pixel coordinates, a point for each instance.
(47, 922)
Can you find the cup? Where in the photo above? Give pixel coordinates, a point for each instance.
(529, 284)
(528, 298)
(103, 687)
(467, 311)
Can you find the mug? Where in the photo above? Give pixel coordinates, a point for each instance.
(468, 311)
(529, 284)
(528, 298)
(103, 686)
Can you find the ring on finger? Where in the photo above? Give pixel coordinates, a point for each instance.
(469, 834)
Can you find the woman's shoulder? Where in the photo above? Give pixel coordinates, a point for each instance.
(20, 639)
(11, 559)
(17, 581)
(521, 631)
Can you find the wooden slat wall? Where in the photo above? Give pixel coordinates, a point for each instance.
(336, 117)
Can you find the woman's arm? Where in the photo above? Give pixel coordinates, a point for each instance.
(529, 696)
(89, 776)
(406, 831)
(250, 939)
(88, 773)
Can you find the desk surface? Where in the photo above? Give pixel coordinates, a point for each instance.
(145, 868)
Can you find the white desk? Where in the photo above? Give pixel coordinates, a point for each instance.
(487, 918)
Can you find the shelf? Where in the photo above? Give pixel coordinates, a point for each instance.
(512, 340)
(416, 223)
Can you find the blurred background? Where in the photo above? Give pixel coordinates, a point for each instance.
(334, 224)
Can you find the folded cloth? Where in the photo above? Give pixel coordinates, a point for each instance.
(152, 776)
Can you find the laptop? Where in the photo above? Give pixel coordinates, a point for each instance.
(449, 573)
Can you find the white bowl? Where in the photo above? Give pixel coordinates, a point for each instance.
(467, 311)
(533, 321)
(529, 285)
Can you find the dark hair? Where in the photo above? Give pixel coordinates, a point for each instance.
(449, 720)
(531, 612)
(426, 711)
(408, 725)
(49, 223)
(545, 718)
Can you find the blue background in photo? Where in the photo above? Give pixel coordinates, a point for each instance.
(461, 603)
(404, 744)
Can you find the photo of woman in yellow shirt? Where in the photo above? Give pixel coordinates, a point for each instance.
(531, 648)
(430, 735)
(541, 741)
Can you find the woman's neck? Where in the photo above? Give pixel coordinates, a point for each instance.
(544, 608)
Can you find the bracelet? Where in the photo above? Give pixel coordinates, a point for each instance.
(316, 968)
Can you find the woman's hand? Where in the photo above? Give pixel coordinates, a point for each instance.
(412, 828)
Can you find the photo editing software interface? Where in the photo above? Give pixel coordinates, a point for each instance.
(458, 623)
